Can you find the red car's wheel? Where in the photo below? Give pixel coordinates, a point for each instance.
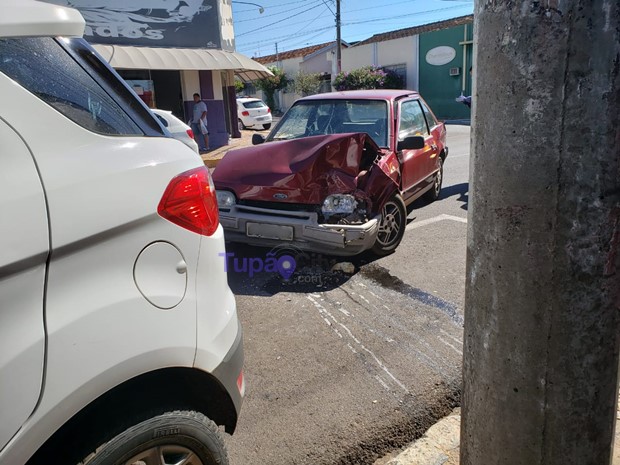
(433, 193)
(391, 226)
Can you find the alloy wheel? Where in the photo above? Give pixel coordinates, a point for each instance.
(391, 223)
(165, 455)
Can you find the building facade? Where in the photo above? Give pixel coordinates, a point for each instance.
(315, 59)
(434, 59)
(167, 50)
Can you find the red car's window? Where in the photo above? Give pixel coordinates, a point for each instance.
(338, 116)
(411, 121)
(430, 118)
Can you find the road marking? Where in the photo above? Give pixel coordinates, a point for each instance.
(455, 339)
(435, 219)
(382, 383)
(323, 312)
(458, 351)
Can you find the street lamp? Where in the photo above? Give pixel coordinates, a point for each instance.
(260, 8)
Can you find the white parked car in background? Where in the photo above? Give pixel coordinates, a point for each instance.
(253, 113)
(177, 128)
(119, 337)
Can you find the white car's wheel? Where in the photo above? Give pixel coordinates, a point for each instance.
(171, 438)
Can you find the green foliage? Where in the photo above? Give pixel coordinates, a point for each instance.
(271, 84)
(307, 83)
(239, 86)
(368, 77)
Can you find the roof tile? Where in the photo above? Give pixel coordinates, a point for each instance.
(411, 31)
(300, 52)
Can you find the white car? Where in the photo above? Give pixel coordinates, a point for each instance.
(177, 128)
(119, 336)
(253, 113)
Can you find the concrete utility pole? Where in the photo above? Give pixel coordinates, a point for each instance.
(543, 258)
(338, 39)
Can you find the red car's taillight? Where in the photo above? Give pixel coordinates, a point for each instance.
(190, 202)
(190, 133)
(245, 113)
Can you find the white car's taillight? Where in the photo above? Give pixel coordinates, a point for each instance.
(190, 201)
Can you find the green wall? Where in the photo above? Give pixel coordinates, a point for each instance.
(437, 87)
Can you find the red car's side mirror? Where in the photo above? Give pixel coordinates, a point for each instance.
(411, 143)
(257, 139)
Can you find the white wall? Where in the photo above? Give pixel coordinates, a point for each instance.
(357, 57)
(321, 63)
(190, 83)
(217, 85)
(226, 23)
(391, 52)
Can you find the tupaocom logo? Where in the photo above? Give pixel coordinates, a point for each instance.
(284, 264)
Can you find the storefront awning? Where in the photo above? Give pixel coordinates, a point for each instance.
(125, 57)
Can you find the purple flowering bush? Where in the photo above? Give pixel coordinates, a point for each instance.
(368, 77)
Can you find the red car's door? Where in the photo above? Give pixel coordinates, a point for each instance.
(416, 165)
(436, 142)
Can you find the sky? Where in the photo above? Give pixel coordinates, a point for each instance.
(296, 24)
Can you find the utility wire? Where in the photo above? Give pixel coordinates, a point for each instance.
(284, 38)
(276, 22)
(329, 8)
(280, 5)
(277, 14)
(420, 13)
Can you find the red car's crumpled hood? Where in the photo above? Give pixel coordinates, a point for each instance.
(306, 170)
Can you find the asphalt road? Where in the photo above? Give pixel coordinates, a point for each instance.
(342, 369)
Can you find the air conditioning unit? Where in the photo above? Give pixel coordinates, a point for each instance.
(455, 71)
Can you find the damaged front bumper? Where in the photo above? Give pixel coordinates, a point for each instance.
(270, 227)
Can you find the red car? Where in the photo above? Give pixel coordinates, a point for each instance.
(336, 173)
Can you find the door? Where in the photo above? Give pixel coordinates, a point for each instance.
(168, 92)
(415, 164)
(23, 257)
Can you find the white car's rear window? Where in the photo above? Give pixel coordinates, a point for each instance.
(47, 69)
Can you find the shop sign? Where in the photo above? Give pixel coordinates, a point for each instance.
(440, 56)
(150, 23)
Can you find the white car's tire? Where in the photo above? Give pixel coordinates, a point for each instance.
(173, 437)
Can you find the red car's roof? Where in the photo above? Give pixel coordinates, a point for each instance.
(383, 94)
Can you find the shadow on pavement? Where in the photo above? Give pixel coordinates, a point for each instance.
(446, 192)
(268, 271)
(461, 190)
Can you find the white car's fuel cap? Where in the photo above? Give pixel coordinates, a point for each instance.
(160, 272)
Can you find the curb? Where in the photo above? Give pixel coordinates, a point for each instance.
(213, 157)
(438, 446)
(211, 162)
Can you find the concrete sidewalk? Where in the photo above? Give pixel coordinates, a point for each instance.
(440, 445)
(213, 157)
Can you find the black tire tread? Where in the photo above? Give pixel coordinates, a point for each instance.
(180, 417)
(431, 195)
(379, 250)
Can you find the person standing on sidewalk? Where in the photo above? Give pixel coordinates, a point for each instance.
(199, 124)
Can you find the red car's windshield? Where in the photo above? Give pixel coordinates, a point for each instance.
(318, 117)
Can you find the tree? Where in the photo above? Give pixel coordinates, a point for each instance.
(271, 84)
(239, 86)
(368, 77)
(307, 83)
